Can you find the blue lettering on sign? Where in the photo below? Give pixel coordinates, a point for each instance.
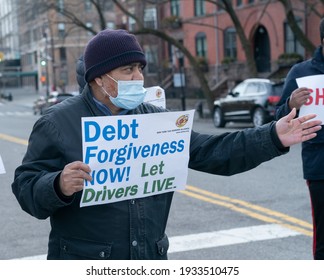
(92, 131)
(87, 126)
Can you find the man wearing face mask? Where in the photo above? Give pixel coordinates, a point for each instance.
(49, 182)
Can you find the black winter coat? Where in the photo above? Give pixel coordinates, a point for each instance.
(312, 150)
(131, 229)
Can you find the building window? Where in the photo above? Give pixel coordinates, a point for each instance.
(61, 29)
(110, 25)
(35, 34)
(87, 5)
(250, 1)
(63, 54)
(238, 3)
(89, 25)
(64, 79)
(35, 57)
(175, 7)
(131, 24)
(230, 43)
(150, 20)
(131, 21)
(60, 5)
(30, 59)
(291, 43)
(151, 54)
(200, 7)
(201, 45)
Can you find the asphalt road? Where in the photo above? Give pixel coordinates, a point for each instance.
(260, 214)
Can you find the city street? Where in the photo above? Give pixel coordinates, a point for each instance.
(262, 214)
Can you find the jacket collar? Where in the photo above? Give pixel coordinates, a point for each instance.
(96, 107)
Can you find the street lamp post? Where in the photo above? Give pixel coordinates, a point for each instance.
(179, 56)
(3, 85)
(183, 93)
(46, 63)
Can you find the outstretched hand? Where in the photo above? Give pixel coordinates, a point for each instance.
(292, 131)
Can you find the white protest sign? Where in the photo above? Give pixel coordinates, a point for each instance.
(156, 96)
(133, 156)
(2, 169)
(315, 103)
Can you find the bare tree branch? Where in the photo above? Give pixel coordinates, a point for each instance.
(99, 8)
(246, 44)
(164, 36)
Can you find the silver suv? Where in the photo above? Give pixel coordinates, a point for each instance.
(253, 100)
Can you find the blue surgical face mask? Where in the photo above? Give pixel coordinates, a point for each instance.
(130, 94)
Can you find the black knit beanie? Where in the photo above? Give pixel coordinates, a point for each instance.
(110, 49)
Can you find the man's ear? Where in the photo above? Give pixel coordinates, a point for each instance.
(98, 81)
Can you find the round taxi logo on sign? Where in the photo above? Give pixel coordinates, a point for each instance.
(181, 121)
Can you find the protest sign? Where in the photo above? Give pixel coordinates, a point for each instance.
(156, 96)
(133, 156)
(2, 169)
(315, 103)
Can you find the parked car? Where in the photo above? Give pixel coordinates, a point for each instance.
(253, 100)
(42, 103)
(39, 105)
(7, 96)
(52, 100)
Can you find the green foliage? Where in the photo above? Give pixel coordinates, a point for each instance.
(203, 63)
(289, 58)
(172, 22)
(228, 60)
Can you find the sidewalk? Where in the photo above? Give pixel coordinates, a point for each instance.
(26, 97)
(22, 96)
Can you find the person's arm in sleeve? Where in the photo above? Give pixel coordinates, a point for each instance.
(232, 153)
(37, 181)
(236, 152)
